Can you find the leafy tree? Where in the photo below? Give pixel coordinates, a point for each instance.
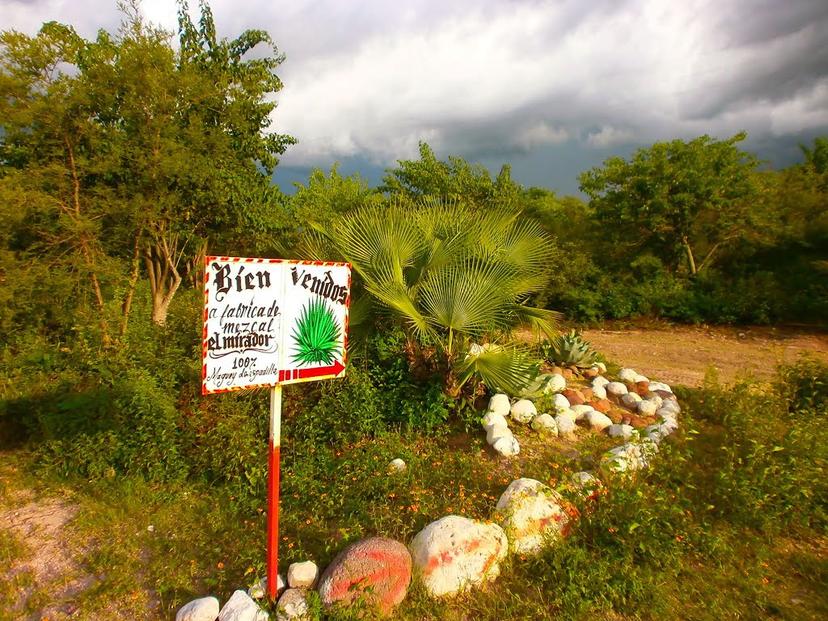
(325, 198)
(679, 197)
(126, 147)
(453, 277)
(455, 179)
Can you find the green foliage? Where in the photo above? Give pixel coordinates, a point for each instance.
(568, 350)
(677, 198)
(455, 179)
(449, 276)
(316, 334)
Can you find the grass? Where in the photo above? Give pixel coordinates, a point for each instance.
(731, 525)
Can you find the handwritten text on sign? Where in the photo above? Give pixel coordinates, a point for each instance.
(269, 321)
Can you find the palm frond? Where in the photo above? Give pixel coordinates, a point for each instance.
(501, 369)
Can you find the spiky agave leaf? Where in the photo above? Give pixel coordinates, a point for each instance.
(316, 334)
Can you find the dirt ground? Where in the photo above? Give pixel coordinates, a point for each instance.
(682, 354)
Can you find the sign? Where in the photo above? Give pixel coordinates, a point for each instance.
(273, 321)
(269, 322)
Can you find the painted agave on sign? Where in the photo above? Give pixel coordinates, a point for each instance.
(316, 334)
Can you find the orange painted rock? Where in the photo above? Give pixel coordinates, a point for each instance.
(587, 393)
(456, 553)
(377, 569)
(642, 388)
(568, 374)
(616, 415)
(602, 405)
(575, 397)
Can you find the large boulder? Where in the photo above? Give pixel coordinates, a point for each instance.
(241, 607)
(202, 609)
(499, 404)
(523, 411)
(456, 553)
(375, 569)
(532, 515)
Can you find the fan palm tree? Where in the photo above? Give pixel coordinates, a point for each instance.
(456, 278)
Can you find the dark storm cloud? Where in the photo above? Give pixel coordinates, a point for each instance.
(530, 80)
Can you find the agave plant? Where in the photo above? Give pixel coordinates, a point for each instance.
(453, 276)
(569, 350)
(316, 334)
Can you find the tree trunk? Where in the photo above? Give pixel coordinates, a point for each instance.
(690, 259)
(126, 307)
(161, 258)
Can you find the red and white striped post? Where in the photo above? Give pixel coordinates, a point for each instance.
(273, 491)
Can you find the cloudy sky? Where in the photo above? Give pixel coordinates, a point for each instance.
(551, 86)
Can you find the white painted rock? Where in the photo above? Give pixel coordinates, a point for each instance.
(620, 431)
(506, 446)
(259, 590)
(628, 375)
(653, 432)
(660, 386)
(670, 404)
(625, 458)
(532, 516)
(523, 411)
(545, 424)
(667, 427)
(616, 389)
(560, 402)
(302, 575)
(202, 609)
(647, 407)
(597, 420)
(581, 411)
(493, 434)
(396, 465)
(557, 383)
(240, 607)
(585, 479)
(599, 392)
(566, 423)
(651, 396)
(492, 419)
(601, 367)
(499, 404)
(293, 605)
(599, 381)
(631, 400)
(456, 553)
(641, 378)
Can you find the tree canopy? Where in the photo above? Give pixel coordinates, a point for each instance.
(678, 197)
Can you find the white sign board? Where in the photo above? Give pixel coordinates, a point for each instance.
(273, 321)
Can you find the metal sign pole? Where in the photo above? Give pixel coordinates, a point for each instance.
(273, 491)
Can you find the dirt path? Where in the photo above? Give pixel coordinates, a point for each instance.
(682, 354)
